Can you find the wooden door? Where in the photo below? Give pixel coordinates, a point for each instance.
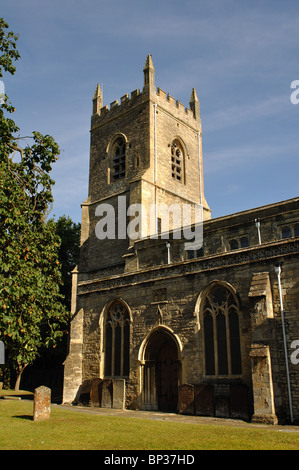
(167, 377)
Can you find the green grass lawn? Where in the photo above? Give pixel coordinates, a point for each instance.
(70, 430)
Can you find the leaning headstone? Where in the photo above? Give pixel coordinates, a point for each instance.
(42, 403)
(118, 394)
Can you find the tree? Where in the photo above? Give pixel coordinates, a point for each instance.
(32, 315)
(69, 233)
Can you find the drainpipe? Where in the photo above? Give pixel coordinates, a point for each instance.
(278, 272)
(258, 226)
(168, 252)
(200, 178)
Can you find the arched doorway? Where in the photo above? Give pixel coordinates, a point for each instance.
(160, 372)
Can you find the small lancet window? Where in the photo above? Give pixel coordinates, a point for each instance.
(119, 159)
(177, 161)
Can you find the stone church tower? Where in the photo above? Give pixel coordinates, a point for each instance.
(144, 150)
(159, 326)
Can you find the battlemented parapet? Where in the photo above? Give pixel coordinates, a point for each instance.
(189, 116)
(116, 108)
(150, 92)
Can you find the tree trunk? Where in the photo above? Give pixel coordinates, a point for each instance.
(18, 381)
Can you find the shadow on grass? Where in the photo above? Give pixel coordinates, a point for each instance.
(30, 417)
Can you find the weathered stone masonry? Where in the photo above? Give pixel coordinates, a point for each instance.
(201, 334)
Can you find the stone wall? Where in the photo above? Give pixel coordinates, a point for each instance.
(182, 283)
(165, 298)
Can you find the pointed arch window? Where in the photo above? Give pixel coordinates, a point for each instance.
(177, 161)
(119, 158)
(117, 341)
(222, 351)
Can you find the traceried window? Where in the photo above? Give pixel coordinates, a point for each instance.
(119, 159)
(177, 161)
(117, 339)
(221, 332)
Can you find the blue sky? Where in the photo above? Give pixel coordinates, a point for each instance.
(241, 56)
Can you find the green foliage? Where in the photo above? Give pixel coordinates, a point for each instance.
(8, 48)
(69, 233)
(31, 311)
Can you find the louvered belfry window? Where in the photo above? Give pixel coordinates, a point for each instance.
(177, 161)
(119, 158)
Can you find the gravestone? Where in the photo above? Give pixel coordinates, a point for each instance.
(222, 400)
(204, 400)
(186, 399)
(42, 403)
(222, 409)
(239, 405)
(119, 394)
(95, 392)
(106, 393)
(85, 391)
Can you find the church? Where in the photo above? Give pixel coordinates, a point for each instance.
(173, 310)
